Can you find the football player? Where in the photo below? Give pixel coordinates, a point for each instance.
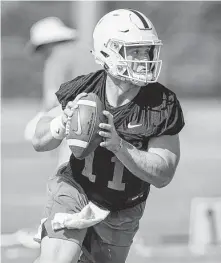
(140, 147)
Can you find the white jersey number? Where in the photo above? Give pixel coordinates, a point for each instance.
(116, 183)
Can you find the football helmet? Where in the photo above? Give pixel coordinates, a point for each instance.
(115, 34)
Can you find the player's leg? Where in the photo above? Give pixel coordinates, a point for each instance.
(64, 245)
(110, 253)
(102, 252)
(54, 250)
(112, 239)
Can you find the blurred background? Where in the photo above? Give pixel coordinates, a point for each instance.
(182, 222)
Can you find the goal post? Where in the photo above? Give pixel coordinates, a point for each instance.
(205, 223)
(85, 15)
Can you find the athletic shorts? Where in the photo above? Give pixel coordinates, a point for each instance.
(113, 236)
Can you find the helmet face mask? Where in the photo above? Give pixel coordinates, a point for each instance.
(144, 70)
(112, 48)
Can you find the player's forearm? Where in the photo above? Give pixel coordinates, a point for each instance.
(149, 167)
(43, 139)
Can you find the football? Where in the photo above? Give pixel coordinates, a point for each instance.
(82, 128)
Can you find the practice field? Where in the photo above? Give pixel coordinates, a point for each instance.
(165, 224)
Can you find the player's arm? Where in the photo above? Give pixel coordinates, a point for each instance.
(47, 128)
(50, 129)
(156, 165)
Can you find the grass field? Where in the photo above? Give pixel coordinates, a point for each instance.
(165, 224)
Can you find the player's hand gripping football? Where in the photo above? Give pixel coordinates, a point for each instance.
(69, 109)
(112, 141)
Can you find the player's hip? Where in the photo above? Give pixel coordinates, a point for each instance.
(101, 196)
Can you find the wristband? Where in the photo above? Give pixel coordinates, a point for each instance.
(57, 128)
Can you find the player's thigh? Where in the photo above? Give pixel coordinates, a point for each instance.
(119, 228)
(55, 250)
(64, 196)
(112, 238)
(107, 253)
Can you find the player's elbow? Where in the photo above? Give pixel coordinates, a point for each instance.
(37, 144)
(165, 178)
(162, 183)
(37, 148)
(165, 172)
(44, 143)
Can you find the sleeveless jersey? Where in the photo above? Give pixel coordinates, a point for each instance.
(154, 111)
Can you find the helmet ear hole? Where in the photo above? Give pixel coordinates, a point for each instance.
(104, 54)
(106, 66)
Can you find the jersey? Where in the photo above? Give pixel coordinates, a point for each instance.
(154, 111)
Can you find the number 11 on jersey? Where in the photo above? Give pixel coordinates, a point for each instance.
(116, 183)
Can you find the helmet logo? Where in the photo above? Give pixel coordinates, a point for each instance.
(144, 22)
